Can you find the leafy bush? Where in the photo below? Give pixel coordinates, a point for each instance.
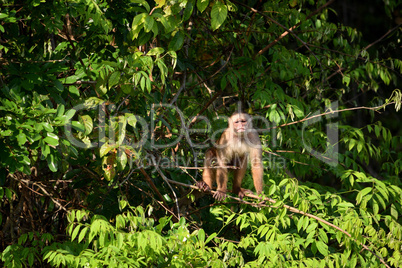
(107, 107)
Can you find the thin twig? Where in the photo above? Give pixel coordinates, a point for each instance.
(159, 202)
(27, 182)
(292, 28)
(330, 112)
(382, 37)
(176, 200)
(283, 27)
(151, 183)
(69, 38)
(214, 97)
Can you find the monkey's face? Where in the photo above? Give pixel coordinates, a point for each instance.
(240, 123)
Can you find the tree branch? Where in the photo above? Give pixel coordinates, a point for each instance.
(292, 209)
(283, 27)
(292, 28)
(382, 37)
(330, 112)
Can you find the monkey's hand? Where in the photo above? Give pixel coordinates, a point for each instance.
(202, 186)
(242, 193)
(219, 195)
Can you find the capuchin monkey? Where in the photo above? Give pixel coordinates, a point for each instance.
(238, 145)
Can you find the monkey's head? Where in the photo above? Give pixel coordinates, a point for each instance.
(240, 123)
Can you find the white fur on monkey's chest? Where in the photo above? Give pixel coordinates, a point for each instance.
(237, 148)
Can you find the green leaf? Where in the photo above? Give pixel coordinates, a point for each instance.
(9, 194)
(201, 236)
(202, 5)
(142, 83)
(352, 143)
(21, 138)
(360, 146)
(114, 79)
(78, 126)
(70, 113)
(363, 193)
(59, 86)
(322, 248)
(163, 69)
(131, 119)
(51, 162)
(45, 150)
(86, 120)
(188, 10)
(298, 112)
(218, 15)
(155, 51)
(74, 90)
(346, 80)
(137, 24)
(5, 133)
(212, 236)
(312, 227)
(82, 234)
(177, 41)
(51, 139)
(101, 88)
(60, 110)
(274, 116)
(106, 148)
(323, 235)
(47, 127)
(122, 159)
(92, 102)
(75, 232)
(126, 88)
(149, 23)
(160, 2)
(31, 258)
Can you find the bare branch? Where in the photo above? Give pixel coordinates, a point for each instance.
(283, 27)
(382, 37)
(330, 112)
(292, 28)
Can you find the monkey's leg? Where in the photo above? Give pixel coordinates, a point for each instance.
(207, 180)
(222, 182)
(209, 174)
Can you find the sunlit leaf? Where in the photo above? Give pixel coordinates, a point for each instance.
(51, 139)
(202, 5)
(218, 15)
(148, 23)
(114, 79)
(21, 138)
(87, 122)
(52, 162)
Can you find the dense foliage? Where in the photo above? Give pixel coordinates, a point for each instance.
(106, 109)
